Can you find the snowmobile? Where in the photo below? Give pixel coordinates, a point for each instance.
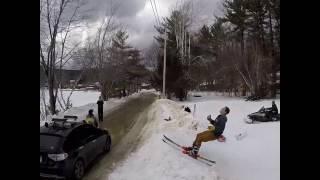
(263, 115)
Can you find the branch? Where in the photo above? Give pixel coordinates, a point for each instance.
(249, 74)
(69, 55)
(61, 105)
(44, 65)
(49, 18)
(243, 77)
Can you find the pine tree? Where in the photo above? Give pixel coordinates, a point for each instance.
(236, 14)
(174, 66)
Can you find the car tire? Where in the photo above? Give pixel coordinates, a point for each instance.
(78, 170)
(107, 146)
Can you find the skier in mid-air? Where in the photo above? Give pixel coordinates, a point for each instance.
(209, 135)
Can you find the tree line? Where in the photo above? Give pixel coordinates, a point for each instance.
(238, 53)
(105, 57)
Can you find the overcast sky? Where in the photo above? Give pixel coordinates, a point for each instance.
(138, 19)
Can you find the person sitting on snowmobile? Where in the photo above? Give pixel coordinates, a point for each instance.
(272, 111)
(274, 108)
(209, 135)
(91, 119)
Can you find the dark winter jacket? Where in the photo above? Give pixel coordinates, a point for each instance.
(274, 109)
(100, 104)
(219, 124)
(91, 119)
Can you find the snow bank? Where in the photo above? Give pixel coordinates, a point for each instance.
(78, 98)
(82, 111)
(150, 90)
(83, 101)
(256, 156)
(159, 161)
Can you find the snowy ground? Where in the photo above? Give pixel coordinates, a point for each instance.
(82, 101)
(255, 157)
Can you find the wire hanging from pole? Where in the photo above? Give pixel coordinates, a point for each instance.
(156, 8)
(154, 13)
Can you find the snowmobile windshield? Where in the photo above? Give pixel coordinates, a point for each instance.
(262, 109)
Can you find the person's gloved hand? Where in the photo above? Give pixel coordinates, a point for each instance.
(210, 119)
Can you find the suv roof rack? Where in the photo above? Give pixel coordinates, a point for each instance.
(70, 117)
(63, 123)
(59, 119)
(60, 123)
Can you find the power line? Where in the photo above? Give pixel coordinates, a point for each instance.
(154, 14)
(155, 4)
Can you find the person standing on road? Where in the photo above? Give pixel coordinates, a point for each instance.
(100, 109)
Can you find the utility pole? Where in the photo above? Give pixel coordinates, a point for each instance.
(189, 45)
(164, 65)
(189, 49)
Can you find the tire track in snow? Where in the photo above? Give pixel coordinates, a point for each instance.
(125, 124)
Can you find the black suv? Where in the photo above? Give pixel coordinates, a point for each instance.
(67, 148)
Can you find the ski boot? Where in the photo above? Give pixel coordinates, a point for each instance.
(187, 148)
(193, 152)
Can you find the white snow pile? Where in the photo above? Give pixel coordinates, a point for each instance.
(253, 156)
(159, 161)
(83, 101)
(78, 98)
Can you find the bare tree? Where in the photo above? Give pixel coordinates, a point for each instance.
(100, 54)
(58, 18)
(252, 67)
(44, 111)
(183, 22)
(151, 55)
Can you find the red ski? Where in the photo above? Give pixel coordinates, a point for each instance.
(167, 140)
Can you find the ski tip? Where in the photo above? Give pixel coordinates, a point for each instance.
(166, 137)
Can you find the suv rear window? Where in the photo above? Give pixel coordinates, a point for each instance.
(49, 142)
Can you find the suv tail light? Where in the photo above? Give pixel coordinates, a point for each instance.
(58, 157)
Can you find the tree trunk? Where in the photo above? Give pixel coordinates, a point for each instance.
(274, 79)
(242, 41)
(104, 91)
(180, 95)
(52, 98)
